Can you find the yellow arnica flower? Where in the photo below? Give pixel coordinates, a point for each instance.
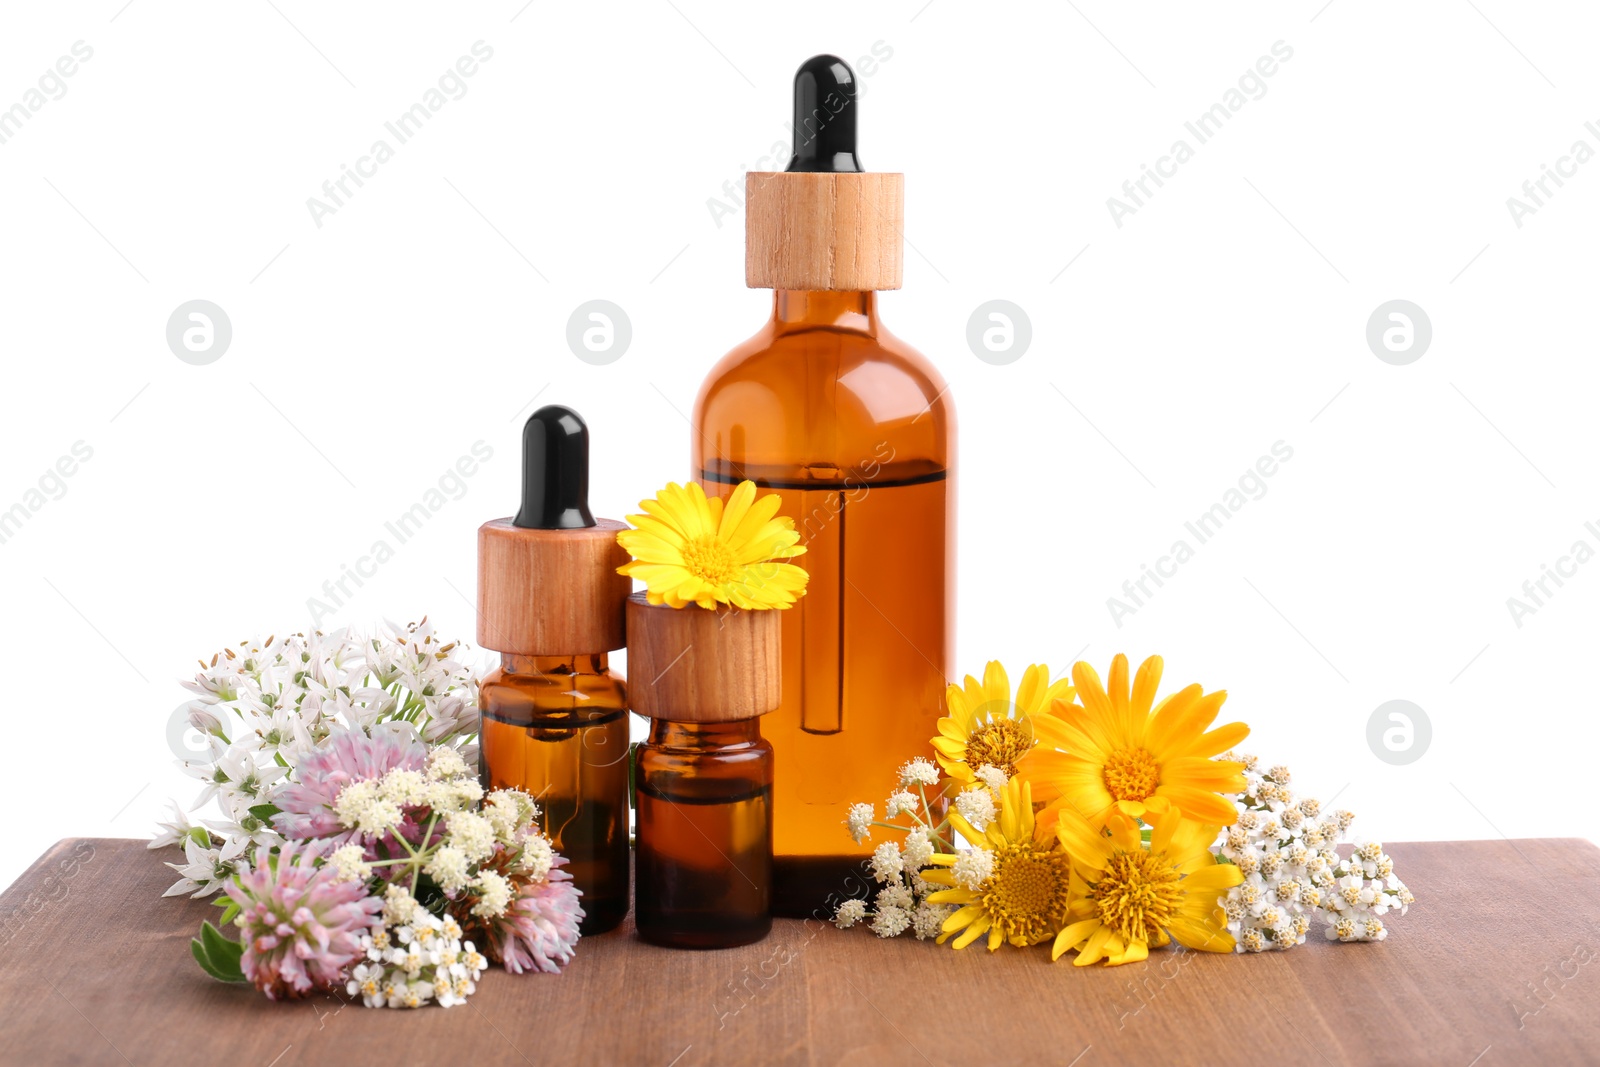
(688, 549)
(1126, 896)
(1013, 886)
(984, 726)
(1116, 754)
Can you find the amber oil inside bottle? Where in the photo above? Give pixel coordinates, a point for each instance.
(855, 431)
(705, 835)
(556, 727)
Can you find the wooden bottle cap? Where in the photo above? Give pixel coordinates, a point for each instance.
(818, 231)
(551, 592)
(693, 665)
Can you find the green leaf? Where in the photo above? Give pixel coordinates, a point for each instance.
(210, 968)
(230, 909)
(216, 955)
(265, 812)
(199, 953)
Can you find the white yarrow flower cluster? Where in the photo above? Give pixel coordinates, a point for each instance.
(1365, 889)
(1294, 875)
(850, 912)
(350, 862)
(901, 905)
(261, 706)
(901, 803)
(414, 958)
(450, 792)
(859, 819)
(977, 806)
(469, 837)
(973, 867)
(919, 771)
(538, 855)
(991, 776)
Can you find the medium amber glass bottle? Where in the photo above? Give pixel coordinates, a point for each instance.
(856, 431)
(705, 835)
(557, 728)
(554, 715)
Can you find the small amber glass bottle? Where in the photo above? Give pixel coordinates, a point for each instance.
(705, 835)
(704, 778)
(557, 728)
(554, 715)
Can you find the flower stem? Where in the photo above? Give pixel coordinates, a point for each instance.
(427, 835)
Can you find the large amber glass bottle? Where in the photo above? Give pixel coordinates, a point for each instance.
(856, 431)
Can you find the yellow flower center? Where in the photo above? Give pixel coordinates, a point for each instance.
(1132, 774)
(1026, 896)
(708, 559)
(1137, 895)
(1000, 743)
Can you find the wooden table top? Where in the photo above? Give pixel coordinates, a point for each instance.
(1498, 963)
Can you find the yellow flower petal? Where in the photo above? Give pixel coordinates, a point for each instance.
(974, 930)
(1118, 750)
(1093, 948)
(688, 549)
(1072, 936)
(1145, 684)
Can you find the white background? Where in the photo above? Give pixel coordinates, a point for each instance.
(429, 312)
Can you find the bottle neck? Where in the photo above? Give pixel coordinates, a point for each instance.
(588, 663)
(704, 735)
(800, 309)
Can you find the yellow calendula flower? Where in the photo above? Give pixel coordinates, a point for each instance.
(688, 549)
(984, 726)
(1012, 885)
(1127, 896)
(1112, 752)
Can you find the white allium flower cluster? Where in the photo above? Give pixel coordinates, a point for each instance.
(1294, 876)
(415, 957)
(901, 904)
(262, 706)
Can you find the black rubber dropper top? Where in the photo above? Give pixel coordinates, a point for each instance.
(555, 471)
(825, 117)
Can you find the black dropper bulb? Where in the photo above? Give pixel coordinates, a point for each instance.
(825, 117)
(555, 471)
